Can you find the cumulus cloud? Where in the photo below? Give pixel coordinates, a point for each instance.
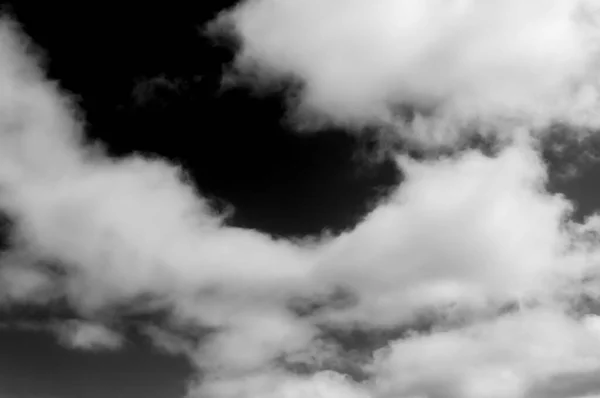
(102, 233)
(506, 357)
(473, 230)
(421, 64)
(471, 276)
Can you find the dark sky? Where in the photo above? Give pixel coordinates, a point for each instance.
(148, 81)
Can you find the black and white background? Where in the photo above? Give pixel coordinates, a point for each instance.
(300, 199)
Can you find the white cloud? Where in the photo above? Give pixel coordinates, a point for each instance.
(473, 230)
(463, 236)
(277, 384)
(121, 229)
(506, 357)
(492, 63)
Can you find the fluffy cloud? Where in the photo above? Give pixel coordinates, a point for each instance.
(117, 231)
(471, 241)
(424, 64)
(473, 230)
(506, 357)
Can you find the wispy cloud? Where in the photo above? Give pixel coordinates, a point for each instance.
(89, 336)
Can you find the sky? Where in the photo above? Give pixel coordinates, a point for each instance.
(301, 198)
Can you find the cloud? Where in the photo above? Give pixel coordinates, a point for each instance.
(324, 384)
(469, 277)
(117, 228)
(103, 233)
(461, 238)
(473, 229)
(89, 336)
(425, 64)
(506, 357)
(20, 282)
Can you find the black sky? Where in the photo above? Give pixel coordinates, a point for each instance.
(149, 81)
